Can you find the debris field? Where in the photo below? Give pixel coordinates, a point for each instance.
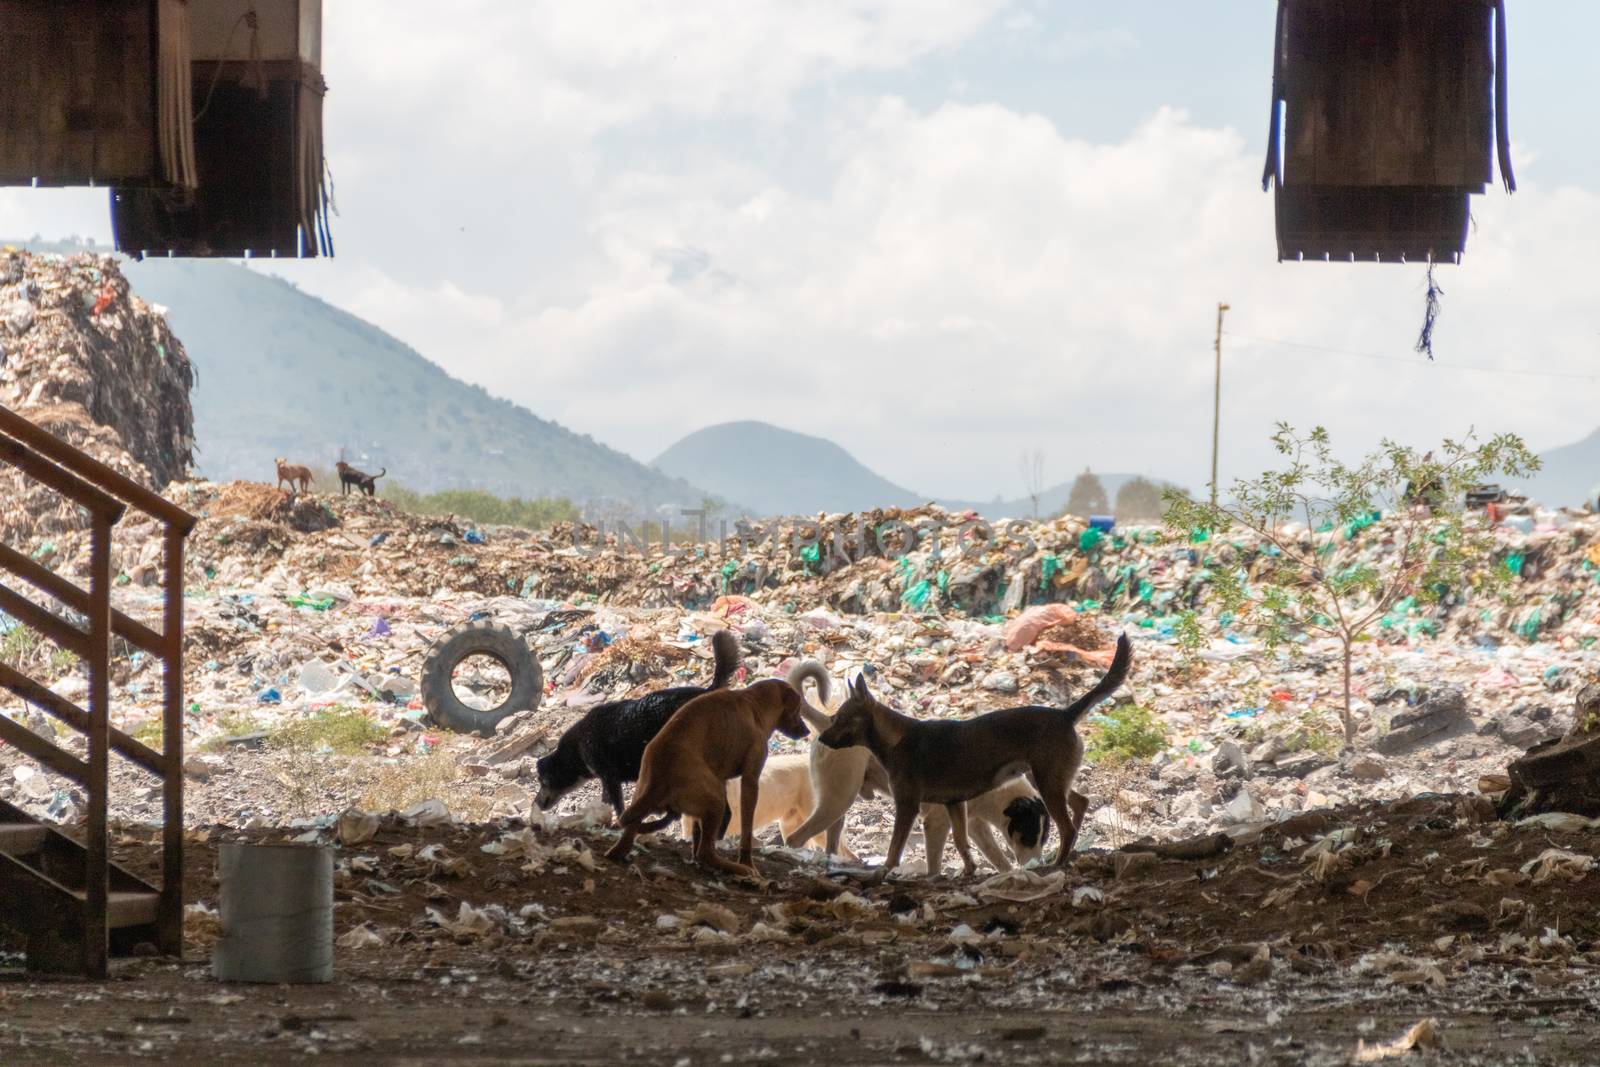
(1247, 891)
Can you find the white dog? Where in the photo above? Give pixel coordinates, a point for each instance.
(783, 797)
(1014, 808)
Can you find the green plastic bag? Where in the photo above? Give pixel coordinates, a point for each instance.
(1529, 626)
(916, 597)
(1049, 567)
(1514, 561)
(1360, 522)
(1089, 539)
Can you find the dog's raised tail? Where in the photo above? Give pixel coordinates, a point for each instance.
(815, 671)
(725, 653)
(1108, 684)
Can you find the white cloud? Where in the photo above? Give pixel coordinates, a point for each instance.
(584, 67)
(970, 283)
(640, 218)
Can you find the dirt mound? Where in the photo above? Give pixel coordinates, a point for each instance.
(264, 503)
(1083, 632)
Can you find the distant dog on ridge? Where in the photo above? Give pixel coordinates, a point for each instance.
(364, 482)
(293, 473)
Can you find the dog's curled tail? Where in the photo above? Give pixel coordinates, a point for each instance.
(725, 653)
(380, 474)
(818, 720)
(1107, 685)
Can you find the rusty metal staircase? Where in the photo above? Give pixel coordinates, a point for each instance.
(74, 908)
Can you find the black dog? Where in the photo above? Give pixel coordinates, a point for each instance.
(608, 743)
(364, 482)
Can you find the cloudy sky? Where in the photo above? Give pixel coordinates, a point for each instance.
(940, 232)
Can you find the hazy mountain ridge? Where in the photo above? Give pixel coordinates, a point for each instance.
(776, 471)
(282, 373)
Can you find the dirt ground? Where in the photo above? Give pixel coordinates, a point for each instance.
(1298, 945)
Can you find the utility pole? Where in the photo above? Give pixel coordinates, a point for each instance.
(1216, 406)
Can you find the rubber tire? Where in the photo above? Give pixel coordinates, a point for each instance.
(438, 690)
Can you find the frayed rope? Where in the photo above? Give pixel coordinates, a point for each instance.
(1430, 316)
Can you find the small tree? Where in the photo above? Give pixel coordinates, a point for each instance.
(1305, 512)
(1088, 496)
(1031, 464)
(1138, 498)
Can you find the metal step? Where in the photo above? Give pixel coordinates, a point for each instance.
(22, 839)
(129, 909)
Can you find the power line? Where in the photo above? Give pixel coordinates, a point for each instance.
(1591, 376)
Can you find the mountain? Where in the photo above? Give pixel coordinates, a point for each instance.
(1570, 474)
(281, 373)
(775, 471)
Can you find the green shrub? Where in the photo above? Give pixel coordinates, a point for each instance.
(477, 505)
(342, 730)
(1313, 733)
(18, 647)
(150, 732)
(231, 724)
(1125, 733)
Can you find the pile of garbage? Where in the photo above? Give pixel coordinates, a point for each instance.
(84, 358)
(305, 604)
(301, 603)
(1140, 577)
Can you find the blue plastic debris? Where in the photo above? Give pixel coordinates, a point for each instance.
(269, 696)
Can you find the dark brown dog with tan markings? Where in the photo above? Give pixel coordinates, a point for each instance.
(363, 482)
(709, 740)
(950, 763)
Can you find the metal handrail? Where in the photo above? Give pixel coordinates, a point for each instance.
(91, 470)
(105, 494)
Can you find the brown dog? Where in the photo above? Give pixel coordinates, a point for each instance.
(714, 737)
(950, 763)
(293, 473)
